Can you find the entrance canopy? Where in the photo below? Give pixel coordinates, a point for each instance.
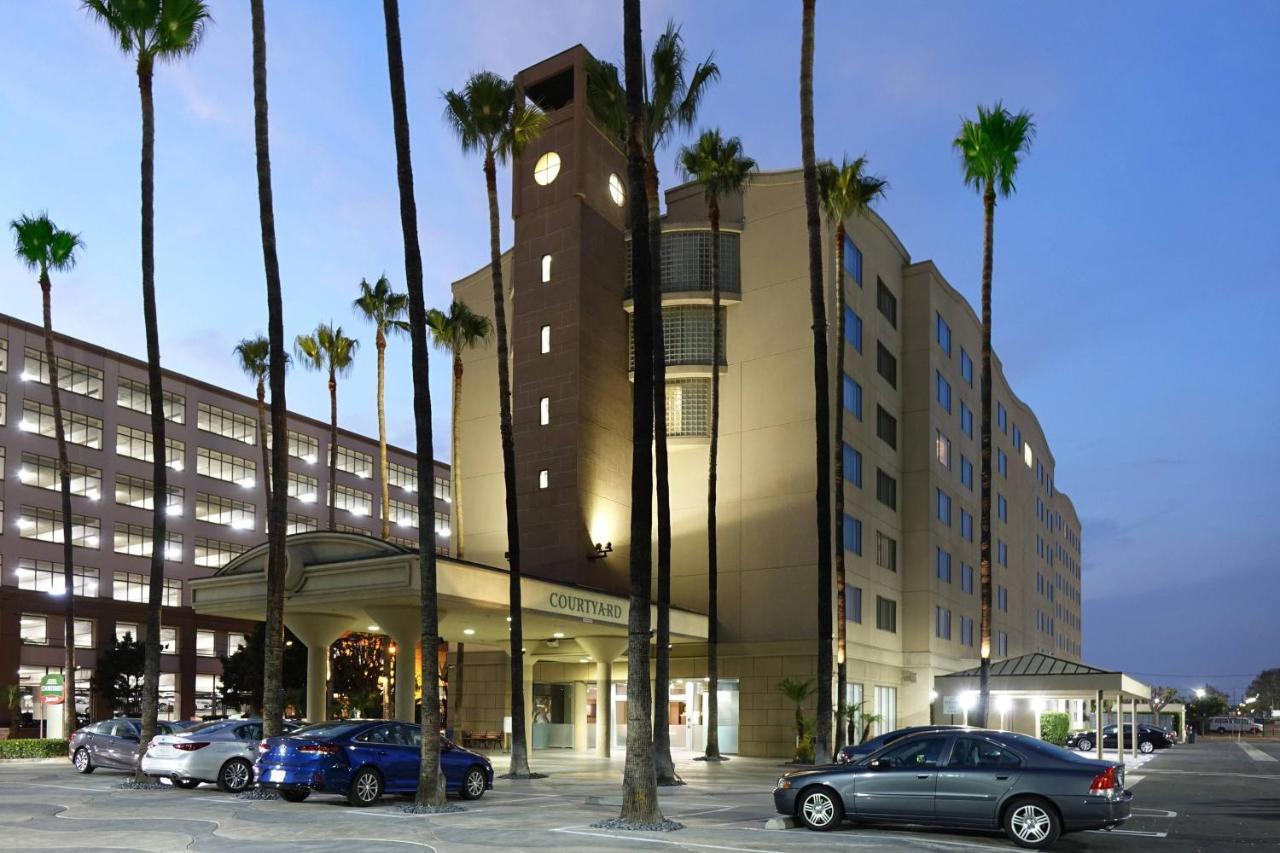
(1039, 675)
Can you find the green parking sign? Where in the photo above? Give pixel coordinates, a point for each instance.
(51, 689)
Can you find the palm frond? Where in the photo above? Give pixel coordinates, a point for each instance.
(40, 245)
(254, 356)
(847, 190)
(717, 163)
(606, 99)
(992, 146)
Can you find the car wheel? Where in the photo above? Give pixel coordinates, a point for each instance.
(1085, 744)
(819, 809)
(1222, 731)
(1032, 823)
(81, 761)
(1146, 747)
(473, 784)
(366, 788)
(235, 776)
(185, 783)
(294, 795)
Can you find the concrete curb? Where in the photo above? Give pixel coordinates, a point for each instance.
(5, 762)
(780, 823)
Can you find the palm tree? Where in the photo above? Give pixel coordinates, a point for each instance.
(797, 692)
(386, 309)
(278, 495)
(327, 349)
(670, 104)
(155, 30)
(488, 117)
(846, 191)
(456, 332)
(722, 169)
(431, 794)
(41, 246)
(990, 150)
(253, 358)
(821, 389)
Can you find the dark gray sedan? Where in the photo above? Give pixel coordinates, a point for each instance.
(109, 744)
(973, 778)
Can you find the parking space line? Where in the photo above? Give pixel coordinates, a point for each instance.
(570, 830)
(63, 787)
(1254, 753)
(1136, 832)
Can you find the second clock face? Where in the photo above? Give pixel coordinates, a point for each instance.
(615, 190)
(547, 168)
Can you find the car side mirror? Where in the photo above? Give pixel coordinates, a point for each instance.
(878, 764)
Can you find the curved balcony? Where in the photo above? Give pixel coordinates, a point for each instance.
(686, 265)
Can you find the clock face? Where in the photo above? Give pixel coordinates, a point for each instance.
(615, 190)
(547, 168)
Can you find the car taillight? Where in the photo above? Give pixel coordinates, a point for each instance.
(320, 749)
(191, 746)
(264, 746)
(1105, 782)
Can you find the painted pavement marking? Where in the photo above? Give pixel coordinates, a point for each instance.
(1253, 752)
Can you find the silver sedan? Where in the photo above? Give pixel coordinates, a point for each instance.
(223, 751)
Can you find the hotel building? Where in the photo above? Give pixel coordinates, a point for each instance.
(216, 500)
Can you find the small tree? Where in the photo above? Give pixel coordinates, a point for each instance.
(242, 670)
(1160, 697)
(1054, 727)
(13, 703)
(798, 692)
(1267, 688)
(117, 677)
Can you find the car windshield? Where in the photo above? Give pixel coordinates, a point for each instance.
(326, 731)
(1043, 747)
(208, 728)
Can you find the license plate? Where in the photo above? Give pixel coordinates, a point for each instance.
(275, 775)
(163, 749)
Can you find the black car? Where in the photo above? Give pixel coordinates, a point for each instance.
(109, 744)
(1150, 738)
(975, 778)
(854, 752)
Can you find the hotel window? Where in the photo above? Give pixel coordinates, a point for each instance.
(354, 501)
(887, 427)
(1026, 454)
(966, 578)
(545, 338)
(226, 467)
(852, 535)
(131, 586)
(140, 494)
(886, 614)
(215, 509)
(853, 260)
(33, 630)
(236, 642)
(546, 269)
(4, 408)
(47, 576)
(966, 526)
(1002, 553)
(887, 303)
(135, 540)
(886, 552)
(41, 472)
(966, 473)
(966, 367)
(943, 507)
(966, 420)
(544, 478)
(1002, 463)
(966, 631)
(544, 411)
(138, 444)
(1002, 508)
(83, 633)
(402, 513)
(886, 489)
(355, 462)
(212, 554)
(136, 396)
(886, 365)
(73, 376)
(205, 644)
(852, 397)
(688, 407)
(226, 423)
(303, 487)
(942, 623)
(942, 446)
(852, 460)
(943, 387)
(127, 629)
(84, 430)
(853, 603)
(403, 476)
(443, 490)
(942, 564)
(853, 328)
(168, 640)
(943, 334)
(4, 356)
(45, 525)
(1002, 598)
(300, 524)
(302, 446)
(1002, 644)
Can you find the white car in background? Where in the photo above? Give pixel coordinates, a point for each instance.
(1223, 725)
(222, 751)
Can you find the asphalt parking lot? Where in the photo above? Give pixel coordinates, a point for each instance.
(1215, 794)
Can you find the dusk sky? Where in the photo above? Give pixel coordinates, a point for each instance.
(1136, 296)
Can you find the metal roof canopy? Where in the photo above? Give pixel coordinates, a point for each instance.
(1038, 674)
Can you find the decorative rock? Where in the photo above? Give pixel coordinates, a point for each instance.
(631, 826)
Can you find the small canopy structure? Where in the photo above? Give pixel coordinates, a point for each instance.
(1026, 685)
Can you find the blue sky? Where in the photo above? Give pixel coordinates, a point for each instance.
(1136, 293)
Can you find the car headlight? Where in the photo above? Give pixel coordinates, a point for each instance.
(784, 783)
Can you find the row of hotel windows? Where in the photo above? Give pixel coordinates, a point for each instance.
(886, 609)
(47, 576)
(34, 631)
(942, 626)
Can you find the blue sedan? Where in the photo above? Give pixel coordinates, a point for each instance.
(362, 760)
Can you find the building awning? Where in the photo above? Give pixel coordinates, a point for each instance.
(1041, 675)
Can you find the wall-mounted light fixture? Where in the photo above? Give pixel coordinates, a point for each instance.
(599, 553)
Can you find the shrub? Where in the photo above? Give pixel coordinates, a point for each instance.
(33, 748)
(1054, 727)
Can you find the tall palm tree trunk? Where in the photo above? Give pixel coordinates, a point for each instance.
(380, 343)
(639, 782)
(262, 442)
(984, 551)
(431, 792)
(713, 556)
(278, 488)
(519, 741)
(333, 448)
(842, 673)
(68, 548)
(821, 391)
(456, 467)
(159, 475)
(664, 767)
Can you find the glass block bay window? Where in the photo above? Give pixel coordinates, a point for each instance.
(689, 407)
(686, 262)
(686, 336)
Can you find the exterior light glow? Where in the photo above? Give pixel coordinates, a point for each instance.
(968, 700)
(933, 696)
(242, 524)
(374, 628)
(173, 509)
(247, 482)
(308, 498)
(1004, 704)
(310, 459)
(584, 660)
(26, 475)
(559, 635)
(176, 465)
(29, 377)
(469, 631)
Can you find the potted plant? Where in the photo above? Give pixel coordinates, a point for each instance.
(799, 691)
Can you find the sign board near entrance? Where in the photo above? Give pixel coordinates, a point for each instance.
(51, 689)
(950, 704)
(585, 606)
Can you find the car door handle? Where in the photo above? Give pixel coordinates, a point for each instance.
(381, 753)
(923, 776)
(1001, 778)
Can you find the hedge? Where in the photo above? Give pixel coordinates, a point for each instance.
(33, 748)
(1054, 727)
